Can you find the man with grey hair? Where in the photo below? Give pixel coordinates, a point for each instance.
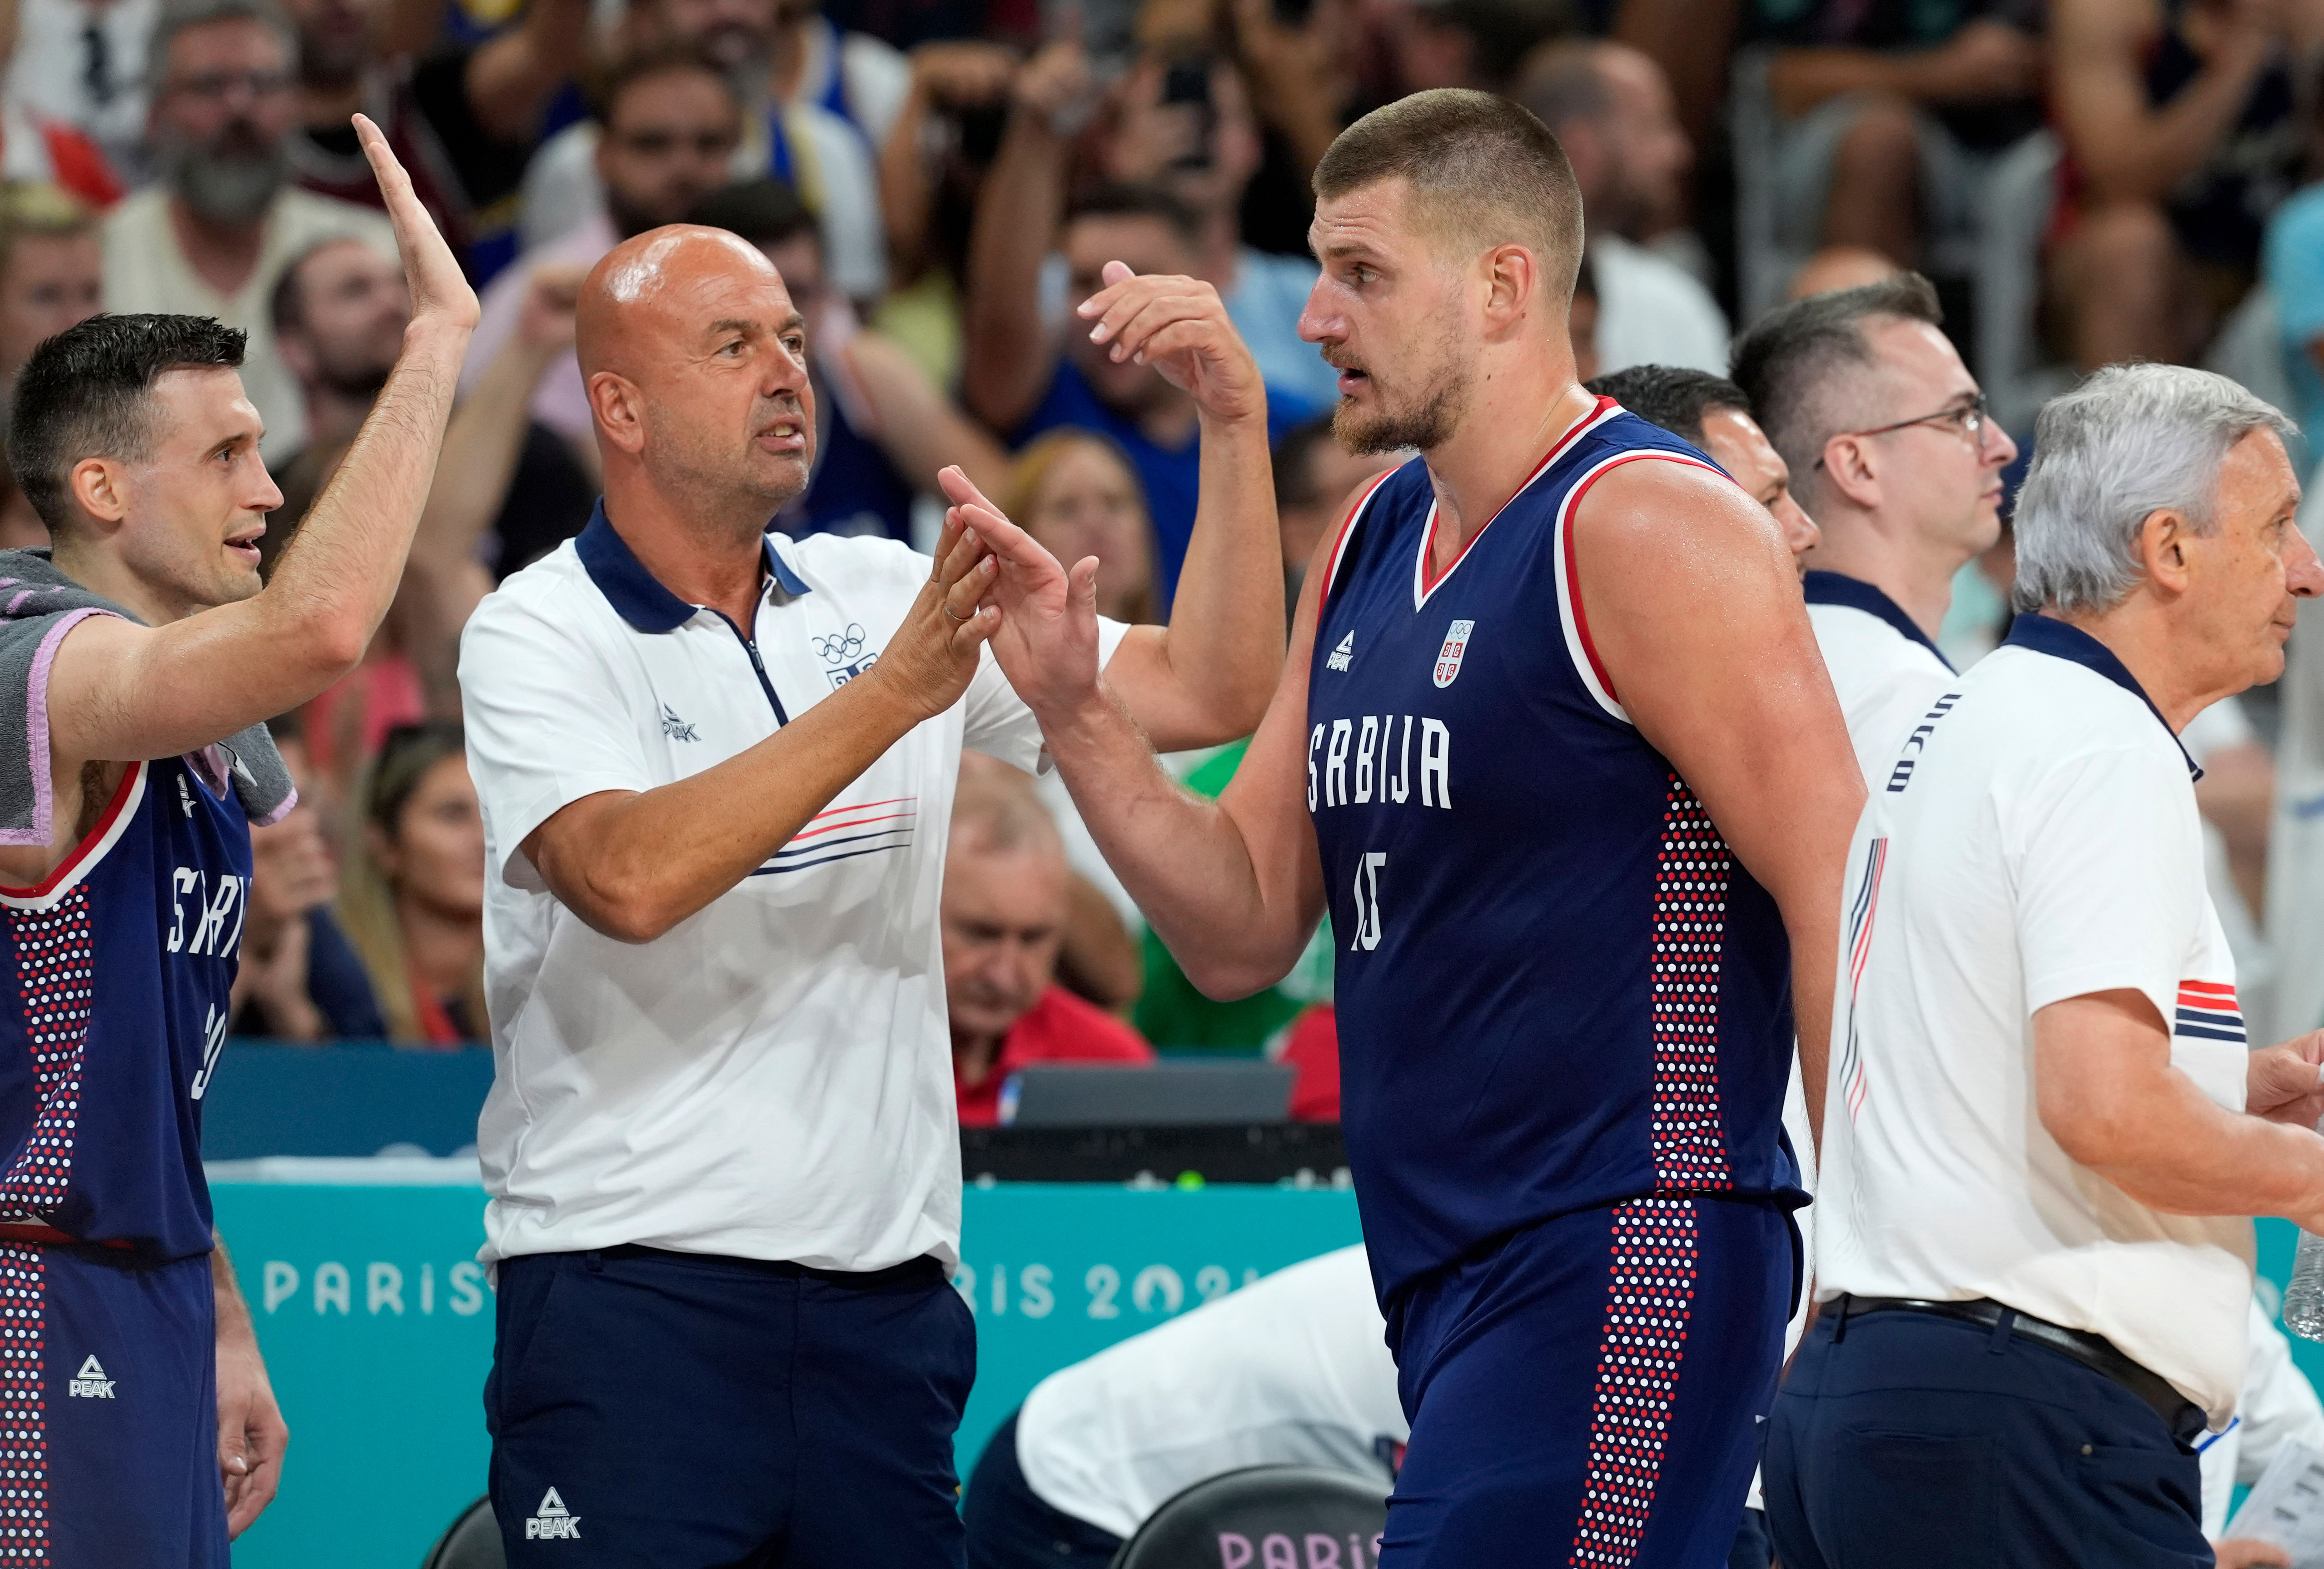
(1892, 451)
(2034, 1257)
(214, 233)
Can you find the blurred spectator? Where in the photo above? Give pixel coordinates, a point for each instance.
(76, 84)
(1183, 123)
(1310, 1047)
(1611, 107)
(882, 429)
(299, 978)
(1077, 494)
(1890, 113)
(1025, 375)
(1316, 481)
(464, 120)
(213, 238)
(817, 107)
(412, 898)
(1005, 908)
(1466, 43)
(671, 123)
(2182, 133)
(949, 82)
(1839, 267)
(2292, 256)
(1715, 414)
(1300, 59)
(51, 275)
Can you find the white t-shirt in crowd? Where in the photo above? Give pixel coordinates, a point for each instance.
(2279, 1405)
(771, 1078)
(1884, 668)
(2035, 841)
(1292, 1369)
(1652, 311)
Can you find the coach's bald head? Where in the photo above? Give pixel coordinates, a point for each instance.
(695, 362)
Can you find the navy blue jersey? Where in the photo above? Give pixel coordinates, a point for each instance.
(113, 1011)
(1557, 988)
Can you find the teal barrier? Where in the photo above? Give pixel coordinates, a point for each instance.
(377, 1327)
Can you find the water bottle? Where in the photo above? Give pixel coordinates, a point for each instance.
(2304, 1301)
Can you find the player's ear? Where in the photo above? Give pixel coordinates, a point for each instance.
(99, 489)
(1513, 283)
(620, 409)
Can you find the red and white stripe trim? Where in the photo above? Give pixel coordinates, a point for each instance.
(1422, 584)
(1570, 613)
(119, 813)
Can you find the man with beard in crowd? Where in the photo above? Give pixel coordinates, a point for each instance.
(212, 236)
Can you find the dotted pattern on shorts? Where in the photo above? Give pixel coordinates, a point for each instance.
(24, 1424)
(1690, 920)
(1638, 1357)
(55, 962)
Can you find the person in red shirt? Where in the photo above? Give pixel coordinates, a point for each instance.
(1004, 917)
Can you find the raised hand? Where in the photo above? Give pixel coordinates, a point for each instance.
(440, 290)
(932, 658)
(1178, 326)
(1046, 635)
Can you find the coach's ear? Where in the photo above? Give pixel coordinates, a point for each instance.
(1512, 279)
(620, 409)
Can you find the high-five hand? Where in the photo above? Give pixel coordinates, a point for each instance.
(1046, 636)
(440, 290)
(1178, 326)
(932, 656)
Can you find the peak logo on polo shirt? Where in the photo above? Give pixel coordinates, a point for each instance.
(675, 728)
(2208, 1010)
(843, 654)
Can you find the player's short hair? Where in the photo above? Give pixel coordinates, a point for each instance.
(1117, 199)
(88, 392)
(2130, 441)
(764, 212)
(1789, 362)
(1483, 171)
(1674, 397)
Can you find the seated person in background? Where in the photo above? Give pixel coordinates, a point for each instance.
(1005, 908)
(214, 233)
(299, 980)
(1611, 108)
(464, 119)
(670, 123)
(1077, 494)
(1316, 481)
(1292, 1369)
(1715, 414)
(883, 428)
(1888, 114)
(2182, 133)
(51, 275)
(412, 898)
(2278, 1406)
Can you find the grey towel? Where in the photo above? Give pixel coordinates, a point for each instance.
(38, 605)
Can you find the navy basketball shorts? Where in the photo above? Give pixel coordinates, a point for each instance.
(682, 1410)
(1588, 1392)
(109, 1411)
(1907, 1441)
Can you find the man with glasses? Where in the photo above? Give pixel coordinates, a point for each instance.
(216, 231)
(1891, 452)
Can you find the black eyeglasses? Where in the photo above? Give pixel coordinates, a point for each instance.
(1969, 420)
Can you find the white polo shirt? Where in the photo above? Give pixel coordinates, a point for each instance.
(771, 1078)
(2035, 841)
(1884, 668)
(1293, 1370)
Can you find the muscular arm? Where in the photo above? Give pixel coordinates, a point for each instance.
(633, 864)
(118, 692)
(2124, 150)
(511, 79)
(2105, 1091)
(1694, 608)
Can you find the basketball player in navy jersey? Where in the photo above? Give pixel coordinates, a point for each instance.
(1555, 748)
(141, 659)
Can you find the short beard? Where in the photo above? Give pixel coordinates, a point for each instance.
(230, 189)
(1422, 429)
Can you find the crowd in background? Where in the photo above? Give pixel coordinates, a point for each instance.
(2084, 180)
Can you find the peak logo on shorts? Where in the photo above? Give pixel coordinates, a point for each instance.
(552, 1522)
(90, 1383)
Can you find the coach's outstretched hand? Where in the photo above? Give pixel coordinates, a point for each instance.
(441, 293)
(932, 658)
(1178, 326)
(1045, 638)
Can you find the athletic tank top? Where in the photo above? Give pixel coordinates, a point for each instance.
(113, 1011)
(1556, 988)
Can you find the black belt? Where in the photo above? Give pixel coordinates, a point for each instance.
(2184, 1418)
